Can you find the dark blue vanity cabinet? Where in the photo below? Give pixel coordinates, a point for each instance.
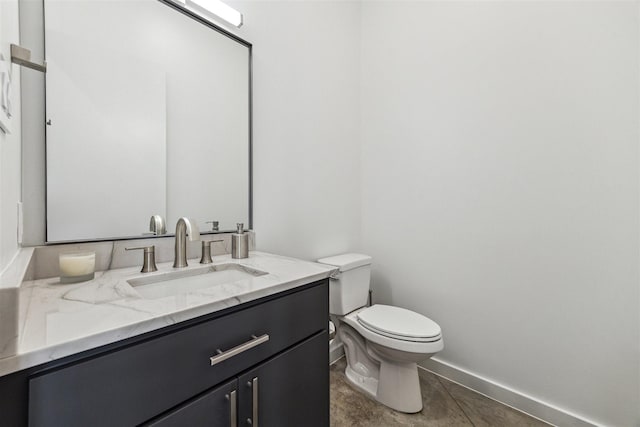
(262, 363)
(287, 390)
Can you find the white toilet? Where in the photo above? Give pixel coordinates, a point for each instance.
(382, 343)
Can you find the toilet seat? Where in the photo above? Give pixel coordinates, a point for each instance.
(425, 346)
(399, 323)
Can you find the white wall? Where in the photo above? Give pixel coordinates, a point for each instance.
(10, 145)
(500, 189)
(306, 169)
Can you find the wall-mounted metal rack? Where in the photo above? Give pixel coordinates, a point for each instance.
(22, 56)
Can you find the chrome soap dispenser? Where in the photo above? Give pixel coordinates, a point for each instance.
(240, 243)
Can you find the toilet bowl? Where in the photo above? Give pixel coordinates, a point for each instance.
(382, 343)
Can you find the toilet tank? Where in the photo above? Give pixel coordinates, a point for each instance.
(349, 288)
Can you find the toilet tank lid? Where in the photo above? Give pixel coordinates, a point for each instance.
(346, 262)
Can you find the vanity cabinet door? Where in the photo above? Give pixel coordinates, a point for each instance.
(215, 408)
(290, 390)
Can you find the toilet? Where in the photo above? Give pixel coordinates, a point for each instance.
(382, 343)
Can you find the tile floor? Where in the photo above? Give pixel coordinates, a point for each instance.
(445, 404)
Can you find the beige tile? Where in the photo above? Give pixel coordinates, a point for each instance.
(483, 411)
(351, 408)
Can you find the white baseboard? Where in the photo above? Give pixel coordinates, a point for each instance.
(505, 395)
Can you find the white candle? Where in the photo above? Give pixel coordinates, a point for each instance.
(77, 264)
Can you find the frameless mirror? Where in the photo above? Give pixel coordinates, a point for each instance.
(148, 113)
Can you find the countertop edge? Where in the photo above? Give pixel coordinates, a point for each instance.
(30, 359)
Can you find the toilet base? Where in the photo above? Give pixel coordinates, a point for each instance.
(394, 384)
(400, 387)
(402, 392)
(366, 384)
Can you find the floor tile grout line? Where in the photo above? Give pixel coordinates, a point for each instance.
(455, 400)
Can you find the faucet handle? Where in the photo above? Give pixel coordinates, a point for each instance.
(215, 225)
(149, 263)
(206, 251)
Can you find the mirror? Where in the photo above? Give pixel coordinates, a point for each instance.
(148, 113)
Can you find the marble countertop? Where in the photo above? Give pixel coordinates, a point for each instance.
(58, 320)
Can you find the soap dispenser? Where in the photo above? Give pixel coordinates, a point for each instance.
(240, 243)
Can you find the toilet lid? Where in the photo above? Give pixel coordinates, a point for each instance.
(398, 322)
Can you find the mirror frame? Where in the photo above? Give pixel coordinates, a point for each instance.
(249, 47)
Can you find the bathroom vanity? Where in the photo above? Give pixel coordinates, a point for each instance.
(257, 356)
(126, 348)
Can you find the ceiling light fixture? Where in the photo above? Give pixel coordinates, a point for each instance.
(213, 9)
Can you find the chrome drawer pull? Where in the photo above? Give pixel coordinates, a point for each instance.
(224, 355)
(255, 402)
(233, 411)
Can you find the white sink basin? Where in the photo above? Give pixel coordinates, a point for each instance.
(185, 281)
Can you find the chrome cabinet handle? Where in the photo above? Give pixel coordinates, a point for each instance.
(224, 355)
(255, 402)
(234, 411)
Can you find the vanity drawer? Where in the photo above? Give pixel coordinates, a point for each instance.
(129, 386)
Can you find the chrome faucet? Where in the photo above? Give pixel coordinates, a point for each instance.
(157, 225)
(184, 227)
